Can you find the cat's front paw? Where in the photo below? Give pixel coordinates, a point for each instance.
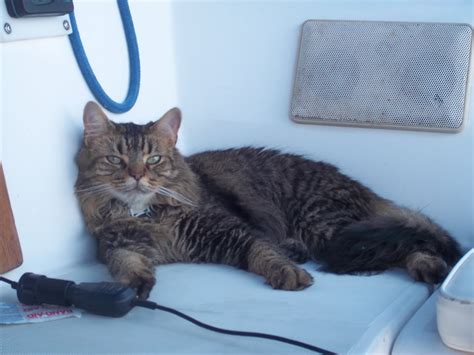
(132, 269)
(289, 277)
(141, 281)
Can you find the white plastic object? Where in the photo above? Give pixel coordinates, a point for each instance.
(15, 29)
(455, 306)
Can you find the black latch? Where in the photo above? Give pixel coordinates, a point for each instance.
(23, 8)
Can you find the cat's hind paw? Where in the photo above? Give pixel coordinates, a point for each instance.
(290, 277)
(427, 268)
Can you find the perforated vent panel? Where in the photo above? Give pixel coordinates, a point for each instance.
(383, 74)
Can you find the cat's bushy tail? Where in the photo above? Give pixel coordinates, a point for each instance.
(392, 237)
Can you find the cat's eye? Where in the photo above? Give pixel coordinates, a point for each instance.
(113, 159)
(154, 159)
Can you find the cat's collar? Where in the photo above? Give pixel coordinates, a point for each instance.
(148, 212)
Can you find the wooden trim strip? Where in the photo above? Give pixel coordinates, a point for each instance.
(10, 250)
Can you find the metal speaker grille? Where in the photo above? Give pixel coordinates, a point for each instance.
(383, 74)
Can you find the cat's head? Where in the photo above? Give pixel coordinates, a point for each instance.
(128, 161)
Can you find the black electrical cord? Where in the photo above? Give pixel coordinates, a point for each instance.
(153, 305)
(113, 299)
(13, 284)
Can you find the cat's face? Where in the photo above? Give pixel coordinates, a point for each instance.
(128, 161)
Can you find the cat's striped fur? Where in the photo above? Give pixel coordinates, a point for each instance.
(252, 208)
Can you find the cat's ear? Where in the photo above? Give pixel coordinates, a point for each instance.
(96, 123)
(169, 124)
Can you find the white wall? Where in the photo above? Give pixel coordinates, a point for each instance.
(230, 66)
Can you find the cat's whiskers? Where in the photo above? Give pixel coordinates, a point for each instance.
(100, 188)
(170, 193)
(90, 187)
(175, 195)
(96, 190)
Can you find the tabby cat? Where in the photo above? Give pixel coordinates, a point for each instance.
(253, 208)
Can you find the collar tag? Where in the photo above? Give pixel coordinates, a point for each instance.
(147, 212)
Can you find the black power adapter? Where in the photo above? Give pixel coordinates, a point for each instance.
(112, 299)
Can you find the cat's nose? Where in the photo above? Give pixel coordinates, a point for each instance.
(137, 175)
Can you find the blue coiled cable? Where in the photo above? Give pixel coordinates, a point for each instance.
(134, 60)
